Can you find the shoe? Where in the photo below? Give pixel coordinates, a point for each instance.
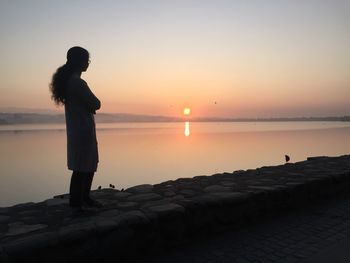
(93, 203)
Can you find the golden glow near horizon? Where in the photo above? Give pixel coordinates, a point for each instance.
(187, 111)
(223, 58)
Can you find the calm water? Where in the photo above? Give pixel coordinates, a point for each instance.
(33, 157)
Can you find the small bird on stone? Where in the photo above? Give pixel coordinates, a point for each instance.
(122, 190)
(99, 188)
(112, 186)
(287, 158)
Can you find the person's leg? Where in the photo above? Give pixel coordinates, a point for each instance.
(86, 191)
(75, 189)
(88, 177)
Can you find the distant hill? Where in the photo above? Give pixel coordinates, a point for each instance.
(28, 118)
(30, 110)
(38, 118)
(41, 118)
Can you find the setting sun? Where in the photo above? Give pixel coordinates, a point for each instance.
(187, 111)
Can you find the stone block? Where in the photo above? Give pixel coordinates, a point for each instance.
(217, 188)
(141, 189)
(116, 244)
(24, 205)
(231, 197)
(156, 203)
(4, 219)
(127, 205)
(104, 225)
(56, 201)
(144, 197)
(121, 195)
(167, 210)
(133, 217)
(110, 213)
(207, 200)
(32, 244)
(3, 256)
(228, 183)
(188, 192)
(169, 193)
(176, 198)
(4, 210)
(264, 188)
(317, 158)
(75, 232)
(19, 228)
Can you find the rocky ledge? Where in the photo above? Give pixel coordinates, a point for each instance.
(148, 218)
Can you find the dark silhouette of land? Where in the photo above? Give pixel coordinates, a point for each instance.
(43, 118)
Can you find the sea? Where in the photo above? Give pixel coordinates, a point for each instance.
(33, 162)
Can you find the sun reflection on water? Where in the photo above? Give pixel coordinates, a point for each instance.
(187, 128)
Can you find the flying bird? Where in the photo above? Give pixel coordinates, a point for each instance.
(287, 158)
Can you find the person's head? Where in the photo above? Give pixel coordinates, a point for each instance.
(77, 62)
(78, 58)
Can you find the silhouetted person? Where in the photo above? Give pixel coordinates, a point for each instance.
(80, 104)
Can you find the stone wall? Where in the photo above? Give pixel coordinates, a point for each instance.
(149, 218)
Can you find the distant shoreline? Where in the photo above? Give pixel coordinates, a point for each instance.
(40, 118)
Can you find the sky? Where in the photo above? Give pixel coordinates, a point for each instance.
(244, 58)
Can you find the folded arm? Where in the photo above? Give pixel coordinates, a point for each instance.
(87, 97)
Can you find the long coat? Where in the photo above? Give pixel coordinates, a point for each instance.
(80, 107)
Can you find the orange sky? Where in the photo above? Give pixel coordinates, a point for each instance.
(280, 58)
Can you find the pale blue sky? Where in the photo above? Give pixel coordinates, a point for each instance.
(258, 58)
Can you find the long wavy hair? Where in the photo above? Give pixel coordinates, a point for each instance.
(77, 57)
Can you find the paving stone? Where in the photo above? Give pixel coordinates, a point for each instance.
(169, 193)
(167, 209)
(232, 197)
(156, 203)
(217, 188)
(104, 225)
(29, 212)
(144, 197)
(127, 205)
(4, 210)
(24, 205)
(188, 192)
(78, 231)
(110, 213)
(131, 218)
(177, 198)
(56, 201)
(141, 189)
(19, 228)
(4, 219)
(29, 244)
(259, 187)
(228, 183)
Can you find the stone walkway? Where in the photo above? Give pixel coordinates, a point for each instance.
(316, 234)
(151, 218)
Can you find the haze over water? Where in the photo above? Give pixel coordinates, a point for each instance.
(33, 157)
